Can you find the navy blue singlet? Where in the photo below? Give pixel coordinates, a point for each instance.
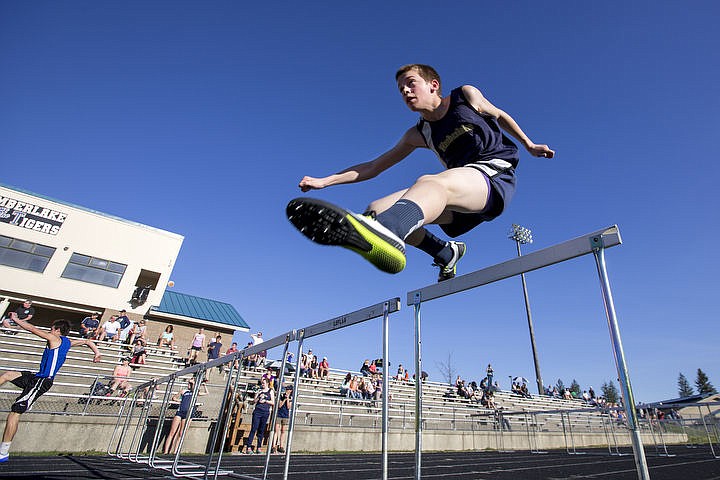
(463, 136)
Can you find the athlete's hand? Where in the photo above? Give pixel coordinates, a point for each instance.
(97, 358)
(310, 183)
(540, 151)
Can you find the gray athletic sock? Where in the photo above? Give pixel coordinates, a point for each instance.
(402, 218)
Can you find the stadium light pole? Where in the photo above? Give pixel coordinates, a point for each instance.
(523, 236)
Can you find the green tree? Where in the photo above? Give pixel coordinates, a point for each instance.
(703, 385)
(610, 392)
(684, 388)
(560, 386)
(575, 389)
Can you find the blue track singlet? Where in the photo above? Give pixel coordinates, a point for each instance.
(53, 359)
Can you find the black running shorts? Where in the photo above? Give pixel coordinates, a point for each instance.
(32, 387)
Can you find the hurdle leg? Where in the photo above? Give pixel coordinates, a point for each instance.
(598, 249)
(291, 422)
(386, 386)
(418, 388)
(273, 415)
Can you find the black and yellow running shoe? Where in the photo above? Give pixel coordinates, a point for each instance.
(448, 271)
(328, 224)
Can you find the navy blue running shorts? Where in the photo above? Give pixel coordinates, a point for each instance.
(502, 189)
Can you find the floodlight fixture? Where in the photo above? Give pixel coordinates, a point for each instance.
(520, 234)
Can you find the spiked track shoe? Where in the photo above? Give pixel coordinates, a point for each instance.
(327, 224)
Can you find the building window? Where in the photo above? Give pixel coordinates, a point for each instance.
(94, 270)
(26, 255)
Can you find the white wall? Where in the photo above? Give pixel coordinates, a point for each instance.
(79, 230)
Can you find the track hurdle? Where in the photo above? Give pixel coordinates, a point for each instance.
(129, 425)
(703, 425)
(384, 310)
(125, 442)
(594, 243)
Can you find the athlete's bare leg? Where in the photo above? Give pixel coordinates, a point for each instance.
(11, 426)
(457, 189)
(9, 376)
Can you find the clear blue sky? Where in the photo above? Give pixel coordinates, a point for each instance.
(201, 117)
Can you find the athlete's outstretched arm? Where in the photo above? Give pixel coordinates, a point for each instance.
(53, 340)
(90, 344)
(506, 122)
(367, 170)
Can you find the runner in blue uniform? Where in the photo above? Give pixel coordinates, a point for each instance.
(466, 131)
(35, 384)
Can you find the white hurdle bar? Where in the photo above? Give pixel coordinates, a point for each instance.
(594, 243)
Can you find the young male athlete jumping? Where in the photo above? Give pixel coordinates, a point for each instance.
(465, 130)
(35, 384)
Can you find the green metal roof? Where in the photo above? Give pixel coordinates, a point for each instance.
(201, 308)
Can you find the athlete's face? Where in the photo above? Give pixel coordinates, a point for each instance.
(418, 93)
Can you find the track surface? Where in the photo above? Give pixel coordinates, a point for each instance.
(695, 464)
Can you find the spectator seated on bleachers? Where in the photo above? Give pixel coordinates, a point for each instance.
(368, 389)
(345, 387)
(461, 389)
(354, 389)
(166, 338)
(365, 369)
(110, 330)
(250, 361)
(89, 326)
(139, 354)
(304, 366)
(121, 373)
(324, 368)
(138, 330)
(477, 393)
(23, 312)
(520, 389)
(484, 384)
(524, 391)
(488, 399)
(314, 365)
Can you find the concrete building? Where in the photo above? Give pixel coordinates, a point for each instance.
(72, 261)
